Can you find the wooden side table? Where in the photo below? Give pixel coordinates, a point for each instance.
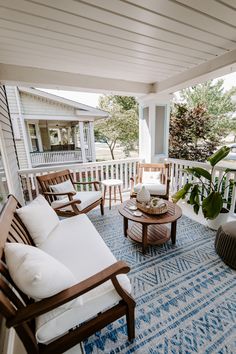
(109, 184)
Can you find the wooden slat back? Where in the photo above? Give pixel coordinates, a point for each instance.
(47, 180)
(11, 298)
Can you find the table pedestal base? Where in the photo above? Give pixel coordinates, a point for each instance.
(153, 235)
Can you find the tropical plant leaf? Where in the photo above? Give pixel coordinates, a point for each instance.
(230, 170)
(218, 155)
(199, 172)
(212, 205)
(196, 208)
(194, 197)
(181, 193)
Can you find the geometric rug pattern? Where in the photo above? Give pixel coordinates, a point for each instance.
(185, 295)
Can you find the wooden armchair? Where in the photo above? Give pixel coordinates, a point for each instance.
(73, 203)
(20, 311)
(155, 177)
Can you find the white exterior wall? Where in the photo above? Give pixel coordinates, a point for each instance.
(14, 111)
(34, 105)
(8, 148)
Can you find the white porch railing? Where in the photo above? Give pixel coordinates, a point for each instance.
(179, 177)
(52, 157)
(119, 169)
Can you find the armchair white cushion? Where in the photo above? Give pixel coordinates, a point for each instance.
(76, 242)
(39, 218)
(64, 187)
(87, 198)
(151, 181)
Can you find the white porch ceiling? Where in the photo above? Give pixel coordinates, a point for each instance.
(132, 44)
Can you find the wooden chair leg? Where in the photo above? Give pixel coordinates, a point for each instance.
(102, 207)
(115, 194)
(120, 194)
(130, 318)
(110, 198)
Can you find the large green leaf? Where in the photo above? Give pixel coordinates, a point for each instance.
(230, 170)
(199, 172)
(218, 155)
(181, 193)
(194, 198)
(212, 205)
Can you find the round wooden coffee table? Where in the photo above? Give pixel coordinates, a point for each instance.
(150, 229)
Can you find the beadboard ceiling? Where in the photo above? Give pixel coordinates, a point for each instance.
(140, 41)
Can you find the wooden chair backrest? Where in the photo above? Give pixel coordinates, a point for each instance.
(46, 181)
(11, 298)
(153, 167)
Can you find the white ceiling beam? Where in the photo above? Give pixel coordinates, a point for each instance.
(219, 66)
(42, 78)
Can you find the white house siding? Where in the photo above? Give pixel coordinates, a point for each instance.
(34, 105)
(10, 156)
(14, 111)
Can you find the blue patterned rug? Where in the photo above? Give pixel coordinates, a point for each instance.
(185, 295)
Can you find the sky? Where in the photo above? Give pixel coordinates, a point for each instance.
(91, 99)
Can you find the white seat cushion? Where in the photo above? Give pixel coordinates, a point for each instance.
(77, 244)
(87, 198)
(153, 188)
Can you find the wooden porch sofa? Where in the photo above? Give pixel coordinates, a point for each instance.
(101, 283)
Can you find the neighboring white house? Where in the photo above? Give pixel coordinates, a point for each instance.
(49, 129)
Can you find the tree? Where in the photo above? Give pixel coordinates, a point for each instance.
(207, 118)
(191, 135)
(122, 124)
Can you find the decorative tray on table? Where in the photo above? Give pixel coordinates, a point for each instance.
(160, 208)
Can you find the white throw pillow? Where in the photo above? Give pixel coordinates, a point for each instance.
(35, 272)
(39, 218)
(64, 187)
(151, 177)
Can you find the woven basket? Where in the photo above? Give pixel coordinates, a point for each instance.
(152, 211)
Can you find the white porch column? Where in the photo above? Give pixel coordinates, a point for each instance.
(92, 141)
(154, 128)
(82, 141)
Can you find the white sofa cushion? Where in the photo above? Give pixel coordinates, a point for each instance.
(76, 243)
(153, 188)
(87, 198)
(35, 272)
(39, 218)
(64, 187)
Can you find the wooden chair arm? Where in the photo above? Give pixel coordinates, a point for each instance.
(69, 203)
(40, 307)
(60, 194)
(95, 183)
(90, 182)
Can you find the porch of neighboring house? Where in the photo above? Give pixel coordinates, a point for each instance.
(59, 142)
(51, 130)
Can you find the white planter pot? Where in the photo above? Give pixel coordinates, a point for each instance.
(218, 221)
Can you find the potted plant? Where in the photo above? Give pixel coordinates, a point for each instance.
(207, 193)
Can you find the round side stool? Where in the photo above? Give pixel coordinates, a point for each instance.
(225, 243)
(109, 184)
